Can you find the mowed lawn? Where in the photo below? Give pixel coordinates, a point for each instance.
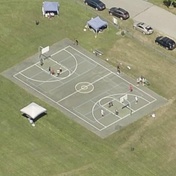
(58, 146)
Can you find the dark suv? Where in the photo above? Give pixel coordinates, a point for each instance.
(119, 12)
(165, 42)
(96, 4)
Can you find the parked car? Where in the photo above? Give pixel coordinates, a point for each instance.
(96, 4)
(165, 42)
(119, 12)
(142, 27)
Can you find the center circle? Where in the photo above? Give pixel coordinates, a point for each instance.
(84, 87)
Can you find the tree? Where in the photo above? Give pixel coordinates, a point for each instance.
(169, 3)
(174, 3)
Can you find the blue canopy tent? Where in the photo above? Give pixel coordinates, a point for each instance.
(50, 7)
(97, 24)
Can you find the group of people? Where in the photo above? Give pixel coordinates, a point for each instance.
(52, 71)
(141, 80)
(109, 105)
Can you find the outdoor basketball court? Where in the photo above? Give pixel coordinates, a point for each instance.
(88, 89)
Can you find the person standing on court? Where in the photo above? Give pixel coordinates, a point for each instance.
(110, 104)
(102, 112)
(60, 69)
(136, 99)
(118, 69)
(58, 72)
(131, 88)
(116, 112)
(41, 62)
(76, 42)
(52, 72)
(138, 81)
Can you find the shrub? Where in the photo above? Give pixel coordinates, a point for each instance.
(167, 3)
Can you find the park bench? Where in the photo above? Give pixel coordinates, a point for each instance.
(97, 52)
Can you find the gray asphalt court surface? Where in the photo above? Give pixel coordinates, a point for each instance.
(143, 11)
(88, 90)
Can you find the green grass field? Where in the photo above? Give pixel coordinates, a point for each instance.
(160, 4)
(58, 146)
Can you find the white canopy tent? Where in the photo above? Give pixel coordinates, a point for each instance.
(33, 110)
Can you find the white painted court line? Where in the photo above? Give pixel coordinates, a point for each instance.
(133, 111)
(60, 50)
(104, 127)
(93, 121)
(96, 118)
(112, 72)
(34, 80)
(80, 89)
(39, 61)
(56, 87)
(101, 78)
(60, 100)
(56, 103)
(104, 107)
(58, 63)
(140, 90)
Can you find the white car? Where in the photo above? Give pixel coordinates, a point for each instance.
(142, 27)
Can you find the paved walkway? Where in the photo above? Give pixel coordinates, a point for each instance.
(141, 10)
